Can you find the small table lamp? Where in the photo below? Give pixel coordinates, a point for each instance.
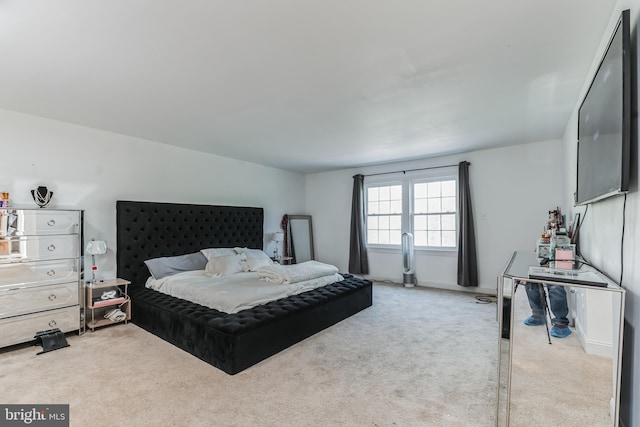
(95, 247)
(278, 237)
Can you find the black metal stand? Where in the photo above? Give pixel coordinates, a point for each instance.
(543, 298)
(545, 306)
(52, 339)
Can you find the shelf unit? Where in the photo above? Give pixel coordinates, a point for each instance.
(125, 306)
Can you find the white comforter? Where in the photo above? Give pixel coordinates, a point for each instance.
(233, 293)
(288, 274)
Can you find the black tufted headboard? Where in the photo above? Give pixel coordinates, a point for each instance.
(148, 230)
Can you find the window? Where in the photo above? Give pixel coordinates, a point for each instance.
(434, 213)
(384, 214)
(426, 207)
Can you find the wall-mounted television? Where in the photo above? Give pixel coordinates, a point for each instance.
(604, 123)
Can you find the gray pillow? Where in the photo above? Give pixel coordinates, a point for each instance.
(168, 266)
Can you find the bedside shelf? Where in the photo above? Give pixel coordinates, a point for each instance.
(123, 302)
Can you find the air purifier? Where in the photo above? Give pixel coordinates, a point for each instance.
(408, 272)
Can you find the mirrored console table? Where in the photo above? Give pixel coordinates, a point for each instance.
(570, 381)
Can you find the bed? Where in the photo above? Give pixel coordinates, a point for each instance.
(230, 342)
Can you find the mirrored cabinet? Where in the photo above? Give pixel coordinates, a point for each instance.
(40, 272)
(546, 380)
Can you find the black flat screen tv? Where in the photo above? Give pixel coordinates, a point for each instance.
(604, 123)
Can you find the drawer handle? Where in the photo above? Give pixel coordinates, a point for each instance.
(52, 323)
(51, 247)
(51, 273)
(52, 297)
(51, 222)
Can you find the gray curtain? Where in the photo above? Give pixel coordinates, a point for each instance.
(358, 261)
(467, 259)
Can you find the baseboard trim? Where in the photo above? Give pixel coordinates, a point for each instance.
(437, 285)
(590, 346)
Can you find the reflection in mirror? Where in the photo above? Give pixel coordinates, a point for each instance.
(571, 381)
(300, 238)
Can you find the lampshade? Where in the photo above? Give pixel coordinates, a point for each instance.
(278, 236)
(96, 247)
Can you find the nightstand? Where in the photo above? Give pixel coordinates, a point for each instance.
(105, 296)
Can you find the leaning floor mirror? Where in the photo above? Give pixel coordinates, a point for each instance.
(300, 238)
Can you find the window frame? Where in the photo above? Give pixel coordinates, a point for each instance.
(386, 183)
(412, 213)
(407, 182)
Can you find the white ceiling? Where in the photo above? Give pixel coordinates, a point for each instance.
(304, 85)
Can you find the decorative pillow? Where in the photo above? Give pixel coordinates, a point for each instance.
(168, 266)
(226, 265)
(217, 252)
(255, 258)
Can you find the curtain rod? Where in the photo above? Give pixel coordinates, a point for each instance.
(413, 170)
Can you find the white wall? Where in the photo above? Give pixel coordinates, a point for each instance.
(90, 169)
(601, 234)
(512, 187)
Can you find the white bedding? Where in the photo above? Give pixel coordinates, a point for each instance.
(288, 274)
(231, 294)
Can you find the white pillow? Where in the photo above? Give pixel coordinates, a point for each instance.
(255, 258)
(226, 265)
(217, 252)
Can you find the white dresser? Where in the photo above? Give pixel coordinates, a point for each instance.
(40, 272)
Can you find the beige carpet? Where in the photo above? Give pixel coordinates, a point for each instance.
(418, 357)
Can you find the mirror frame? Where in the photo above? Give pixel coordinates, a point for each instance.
(290, 235)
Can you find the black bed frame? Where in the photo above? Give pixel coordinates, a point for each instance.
(231, 342)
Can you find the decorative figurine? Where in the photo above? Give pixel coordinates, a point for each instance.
(42, 196)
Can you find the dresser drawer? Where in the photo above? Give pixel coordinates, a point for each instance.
(15, 301)
(38, 272)
(18, 222)
(15, 330)
(33, 248)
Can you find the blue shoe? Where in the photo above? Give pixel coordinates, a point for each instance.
(560, 332)
(534, 321)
